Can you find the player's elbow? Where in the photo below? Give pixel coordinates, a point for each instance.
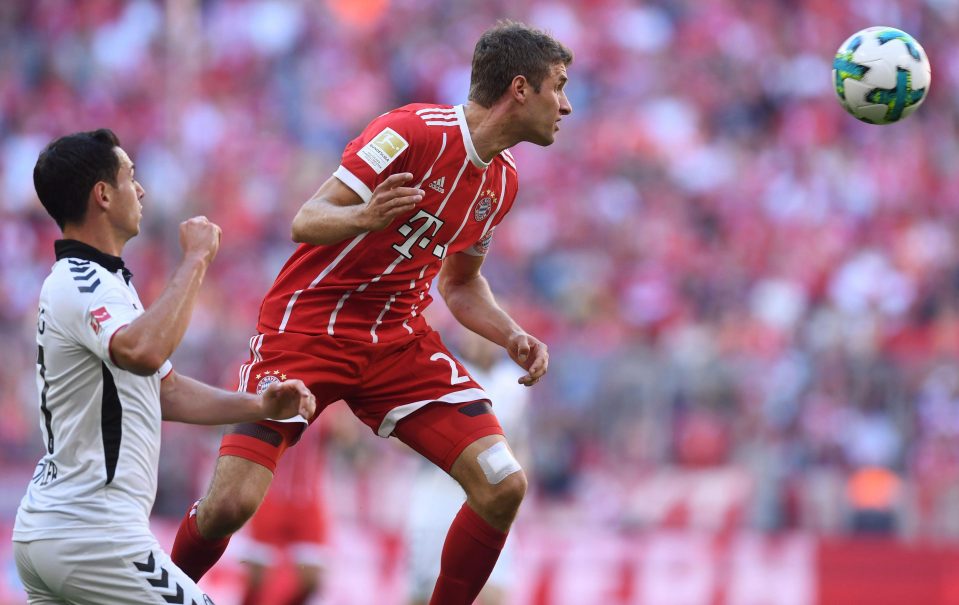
(136, 357)
(297, 233)
(304, 229)
(450, 285)
(444, 285)
(141, 365)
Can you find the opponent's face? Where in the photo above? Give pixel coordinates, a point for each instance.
(125, 207)
(548, 106)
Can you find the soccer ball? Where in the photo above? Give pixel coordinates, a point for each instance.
(881, 74)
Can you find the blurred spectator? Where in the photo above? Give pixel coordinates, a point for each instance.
(873, 494)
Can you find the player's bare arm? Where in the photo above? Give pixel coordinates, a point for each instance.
(147, 342)
(183, 399)
(336, 212)
(470, 300)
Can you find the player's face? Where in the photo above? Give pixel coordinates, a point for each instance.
(126, 211)
(548, 106)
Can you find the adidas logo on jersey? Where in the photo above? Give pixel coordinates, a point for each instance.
(437, 185)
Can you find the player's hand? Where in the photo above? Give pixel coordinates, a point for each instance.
(200, 237)
(390, 199)
(288, 399)
(531, 354)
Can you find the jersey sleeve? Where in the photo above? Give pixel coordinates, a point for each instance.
(481, 248)
(395, 142)
(106, 311)
(511, 187)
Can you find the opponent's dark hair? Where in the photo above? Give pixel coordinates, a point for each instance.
(69, 167)
(510, 49)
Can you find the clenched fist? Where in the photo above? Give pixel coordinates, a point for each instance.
(200, 237)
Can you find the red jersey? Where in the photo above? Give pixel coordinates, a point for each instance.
(374, 287)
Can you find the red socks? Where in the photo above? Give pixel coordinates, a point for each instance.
(469, 554)
(193, 553)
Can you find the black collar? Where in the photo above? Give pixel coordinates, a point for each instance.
(71, 248)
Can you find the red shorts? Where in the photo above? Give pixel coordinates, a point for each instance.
(281, 522)
(413, 389)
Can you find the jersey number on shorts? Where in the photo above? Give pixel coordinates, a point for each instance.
(455, 377)
(47, 416)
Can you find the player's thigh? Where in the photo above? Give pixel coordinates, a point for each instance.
(326, 366)
(423, 395)
(441, 432)
(38, 593)
(238, 483)
(111, 570)
(487, 466)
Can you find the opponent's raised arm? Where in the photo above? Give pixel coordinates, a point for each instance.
(183, 399)
(336, 212)
(142, 346)
(470, 300)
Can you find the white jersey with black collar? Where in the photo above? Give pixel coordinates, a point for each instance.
(100, 424)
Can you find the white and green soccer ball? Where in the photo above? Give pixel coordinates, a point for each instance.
(881, 74)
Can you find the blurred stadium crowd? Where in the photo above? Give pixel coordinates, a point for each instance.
(735, 278)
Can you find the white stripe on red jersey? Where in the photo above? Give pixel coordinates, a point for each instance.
(374, 287)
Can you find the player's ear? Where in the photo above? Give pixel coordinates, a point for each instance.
(100, 195)
(520, 89)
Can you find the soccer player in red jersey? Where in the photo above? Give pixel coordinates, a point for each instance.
(416, 198)
(291, 521)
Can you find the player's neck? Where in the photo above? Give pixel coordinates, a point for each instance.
(99, 238)
(489, 130)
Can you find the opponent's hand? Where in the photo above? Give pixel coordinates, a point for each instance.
(288, 399)
(390, 199)
(200, 237)
(531, 354)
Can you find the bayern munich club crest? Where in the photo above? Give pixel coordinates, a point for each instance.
(266, 379)
(484, 206)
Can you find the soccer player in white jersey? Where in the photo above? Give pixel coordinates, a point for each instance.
(82, 532)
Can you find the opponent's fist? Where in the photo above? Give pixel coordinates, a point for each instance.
(200, 237)
(287, 399)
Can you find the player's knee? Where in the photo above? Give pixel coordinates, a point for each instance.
(509, 494)
(501, 501)
(221, 517)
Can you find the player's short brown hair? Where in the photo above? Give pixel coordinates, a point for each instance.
(510, 49)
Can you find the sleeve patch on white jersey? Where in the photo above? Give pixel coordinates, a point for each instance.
(383, 149)
(99, 317)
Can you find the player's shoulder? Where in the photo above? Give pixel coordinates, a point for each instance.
(425, 119)
(75, 282)
(425, 111)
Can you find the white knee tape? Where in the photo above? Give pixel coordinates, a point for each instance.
(497, 463)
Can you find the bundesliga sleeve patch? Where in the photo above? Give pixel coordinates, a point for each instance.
(99, 317)
(383, 149)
